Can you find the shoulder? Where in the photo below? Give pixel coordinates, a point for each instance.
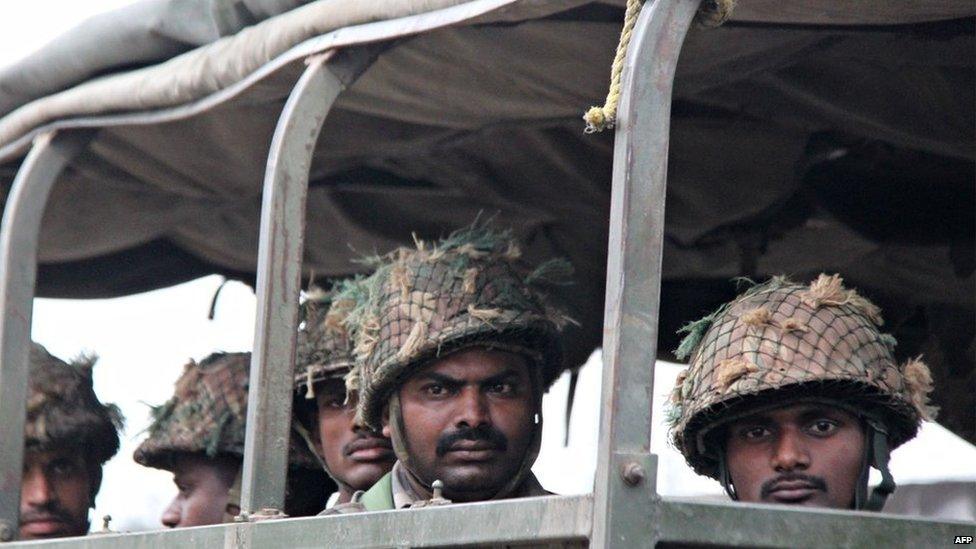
(380, 496)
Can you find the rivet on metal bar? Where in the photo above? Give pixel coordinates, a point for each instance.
(7, 531)
(633, 474)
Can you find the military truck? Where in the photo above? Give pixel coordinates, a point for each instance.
(795, 137)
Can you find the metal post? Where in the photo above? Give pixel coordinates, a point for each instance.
(279, 274)
(624, 493)
(19, 233)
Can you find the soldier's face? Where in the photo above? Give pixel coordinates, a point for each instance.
(54, 495)
(356, 457)
(203, 486)
(468, 419)
(807, 454)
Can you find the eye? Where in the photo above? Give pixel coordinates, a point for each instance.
(62, 468)
(435, 389)
(502, 388)
(755, 432)
(823, 427)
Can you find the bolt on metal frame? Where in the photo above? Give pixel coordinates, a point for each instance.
(623, 511)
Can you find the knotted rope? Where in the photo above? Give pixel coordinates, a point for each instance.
(712, 13)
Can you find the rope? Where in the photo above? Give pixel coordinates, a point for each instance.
(601, 118)
(712, 13)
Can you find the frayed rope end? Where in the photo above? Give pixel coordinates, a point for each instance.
(597, 120)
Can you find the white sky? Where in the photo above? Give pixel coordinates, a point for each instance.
(144, 340)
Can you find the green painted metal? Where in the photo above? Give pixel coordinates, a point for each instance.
(559, 520)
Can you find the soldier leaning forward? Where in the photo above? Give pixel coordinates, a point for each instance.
(198, 435)
(355, 457)
(68, 437)
(457, 346)
(793, 394)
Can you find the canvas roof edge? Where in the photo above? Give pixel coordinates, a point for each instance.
(109, 101)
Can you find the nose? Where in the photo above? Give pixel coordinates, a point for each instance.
(364, 431)
(473, 408)
(36, 488)
(172, 516)
(790, 453)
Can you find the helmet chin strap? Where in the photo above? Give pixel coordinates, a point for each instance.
(233, 505)
(876, 455)
(725, 477)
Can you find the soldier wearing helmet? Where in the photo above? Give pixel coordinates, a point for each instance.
(68, 437)
(354, 456)
(457, 347)
(198, 435)
(792, 395)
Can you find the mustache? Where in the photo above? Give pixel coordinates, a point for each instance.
(484, 433)
(48, 511)
(365, 440)
(816, 483)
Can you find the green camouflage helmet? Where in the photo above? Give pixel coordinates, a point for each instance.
(207, 415)
(781, 341)
(64, 412)
(324, 344)
(465, 290)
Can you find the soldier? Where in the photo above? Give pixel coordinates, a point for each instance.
(354, 456)
(792, 394)
(198, 435)
(68, 437)
(457, 348)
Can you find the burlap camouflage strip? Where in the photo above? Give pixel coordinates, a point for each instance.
(467, 289)
(207, 414)
(64, 412)
(782, 340)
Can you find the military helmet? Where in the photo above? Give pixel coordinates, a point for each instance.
(207, 415)
(63, 410)
(465, 290)
(785, 341)
(324, 349)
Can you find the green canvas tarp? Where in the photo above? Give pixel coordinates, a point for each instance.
(806, 137)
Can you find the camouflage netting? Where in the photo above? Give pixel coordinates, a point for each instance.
(467, 289)
(782, 341)
(64, 412)
(324, 345)
(207, 414)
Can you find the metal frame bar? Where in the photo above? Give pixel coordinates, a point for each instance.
(626, 473)
(279, 271)
(19, 235)
(552, 520)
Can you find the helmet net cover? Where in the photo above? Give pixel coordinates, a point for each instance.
(207, 415)
(64, 411)
(782, 342)
(324, 349)
(466, 290)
